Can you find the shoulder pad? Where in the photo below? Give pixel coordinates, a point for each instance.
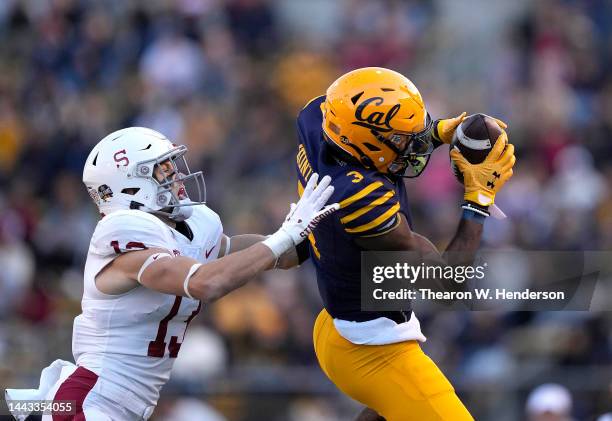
(315, 101)
(369, 202)
(130, 230)
(207, 219)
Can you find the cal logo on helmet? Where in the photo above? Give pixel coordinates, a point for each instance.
(373, 115)
(367, 115)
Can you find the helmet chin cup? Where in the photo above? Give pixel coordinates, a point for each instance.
(181, 213)
(174, 208)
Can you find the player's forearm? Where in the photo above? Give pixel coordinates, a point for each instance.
(216, 279)
(288, 260)
(244, 241)
(240, 242)
(462, 248)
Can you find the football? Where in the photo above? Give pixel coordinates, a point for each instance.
(474, 138)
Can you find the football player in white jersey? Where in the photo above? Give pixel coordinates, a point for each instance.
(156, 255)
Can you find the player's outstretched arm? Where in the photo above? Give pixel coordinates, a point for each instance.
(242, 241)
(158, 270)
(444, 129)
(482, 182)
(207, 282)
(479, 193)
(293, 255)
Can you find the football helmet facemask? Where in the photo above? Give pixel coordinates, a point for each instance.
(139, 168)
(377, 117)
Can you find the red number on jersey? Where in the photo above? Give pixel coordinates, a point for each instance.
(157, 348)
(131, 245)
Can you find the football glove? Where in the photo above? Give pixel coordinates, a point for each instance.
(482, 181)
(503, 125)
(303, 216)
(444, 129)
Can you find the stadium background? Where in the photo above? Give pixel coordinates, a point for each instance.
(227, 78)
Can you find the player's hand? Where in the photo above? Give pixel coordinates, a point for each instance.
(309, 211)
(445, 129)
(483, 181)
(502, 124)
(304, 215)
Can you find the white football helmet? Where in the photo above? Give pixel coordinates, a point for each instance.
(119, 174)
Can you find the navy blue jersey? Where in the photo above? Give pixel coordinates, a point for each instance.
(370, 205)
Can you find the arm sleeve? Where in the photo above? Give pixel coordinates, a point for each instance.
(121, 233)
(435, 137)
(303, 252)
(369, 207)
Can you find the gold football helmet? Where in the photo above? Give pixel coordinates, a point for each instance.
(377, 117)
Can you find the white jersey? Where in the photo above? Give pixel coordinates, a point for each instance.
(131, 340)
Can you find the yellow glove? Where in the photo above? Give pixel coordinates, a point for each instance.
(445, 129)
(503, 125)
(482, 181)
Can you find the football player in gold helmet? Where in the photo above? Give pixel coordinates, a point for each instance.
(369, 131)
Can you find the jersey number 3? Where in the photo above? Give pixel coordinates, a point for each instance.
(157, 348)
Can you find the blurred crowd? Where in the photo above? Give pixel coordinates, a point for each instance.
(227, 78)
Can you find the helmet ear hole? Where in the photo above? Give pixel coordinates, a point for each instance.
(131, 191)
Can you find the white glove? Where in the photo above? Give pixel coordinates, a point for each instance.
(304, 216)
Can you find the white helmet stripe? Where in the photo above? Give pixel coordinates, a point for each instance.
(476, 144)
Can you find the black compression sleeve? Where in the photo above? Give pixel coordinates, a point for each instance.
(302, 252)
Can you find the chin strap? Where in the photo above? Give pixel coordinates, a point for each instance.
(181, 213)
(178, 213)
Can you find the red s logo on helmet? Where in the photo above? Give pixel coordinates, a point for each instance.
(121, 158)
